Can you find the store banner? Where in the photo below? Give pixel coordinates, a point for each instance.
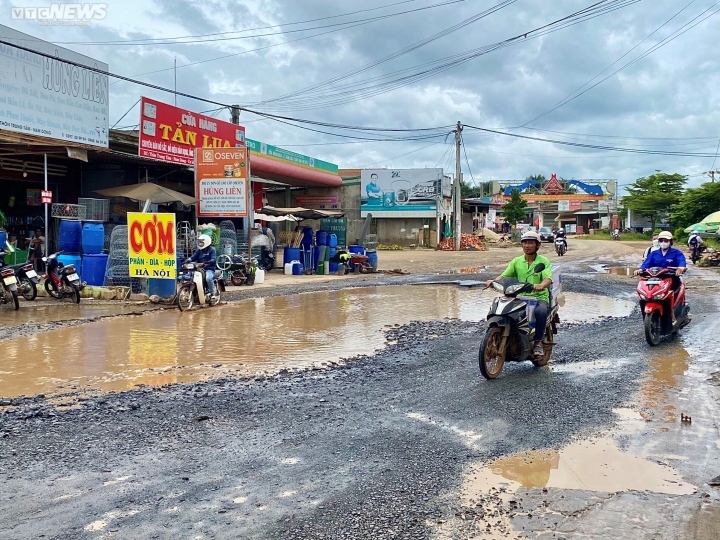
(221, 182)
(318, 202)
(45, 96)
(151, 245)
(400, 193)
(171, 134)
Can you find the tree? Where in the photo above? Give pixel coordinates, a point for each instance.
(514, 209)
(468, 190)
(653, 196)
(695, 204)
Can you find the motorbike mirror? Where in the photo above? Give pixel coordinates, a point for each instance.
(539, 268)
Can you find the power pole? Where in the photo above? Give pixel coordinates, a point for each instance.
(711, 174)
(458, 188)
(235, 112)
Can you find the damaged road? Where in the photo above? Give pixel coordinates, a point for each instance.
(384, 446)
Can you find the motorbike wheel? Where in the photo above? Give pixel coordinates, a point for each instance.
(51, 290)
(491, 358)
(547, 347)
(74, 293)
(653, 328)
(29, 289)
(15, 301)
(250, 280)
(237, 278)
(185, 298)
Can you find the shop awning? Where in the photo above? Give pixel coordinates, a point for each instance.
(586, 212)
(565, 217)
(301, 213)
(293, 175)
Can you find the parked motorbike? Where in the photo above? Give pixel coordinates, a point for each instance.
(267, 260)
(615, 235)
(62, 280)
(659, 302)
(9, 284)
(27, 280)
(193, 288)
(510, 330)
(560, 247)
(241, 268)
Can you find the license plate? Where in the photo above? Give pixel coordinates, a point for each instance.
(10, 280)
(31, 274)
(73, 277)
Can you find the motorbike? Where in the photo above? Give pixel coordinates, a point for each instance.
(696, 252)
(9, 284)
(240, 268)
(560, 247)
(27, 280)
(193, 287)
(61, 280)
(510, 330)
(267, 260)
(659, 302)
(615, 235)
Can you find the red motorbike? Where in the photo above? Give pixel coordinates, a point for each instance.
(662, 303)
(62, 280)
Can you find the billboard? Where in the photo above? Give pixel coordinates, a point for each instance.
(49, 97)
(280, 154)
(221, 182)
(151, 245)
(171, 134)
(400, 193)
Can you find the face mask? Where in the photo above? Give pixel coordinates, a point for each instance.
(655, 243)
(664, 245)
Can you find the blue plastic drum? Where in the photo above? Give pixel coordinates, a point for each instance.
(372, 259)
(332, 240)
(93, 268)
(93, 238)
(70, 236)
(321, 238)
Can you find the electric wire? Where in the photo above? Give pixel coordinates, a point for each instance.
(466, 159)
(126, 113)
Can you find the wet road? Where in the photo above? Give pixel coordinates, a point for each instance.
(408, 443)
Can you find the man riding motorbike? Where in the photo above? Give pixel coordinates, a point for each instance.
(522, 268)
(695, 243)
(666, 257)
(560, 233)
(207, 256)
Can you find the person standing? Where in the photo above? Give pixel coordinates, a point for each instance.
(37, 248)
(652, 247)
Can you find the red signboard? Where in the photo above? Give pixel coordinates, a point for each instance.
(171, 134)
(46, 197)
(575, 205)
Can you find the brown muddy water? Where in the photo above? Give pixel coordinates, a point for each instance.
(242, 338)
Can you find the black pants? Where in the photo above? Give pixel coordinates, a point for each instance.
(541, 315)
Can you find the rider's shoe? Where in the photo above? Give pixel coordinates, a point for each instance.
(538, 351)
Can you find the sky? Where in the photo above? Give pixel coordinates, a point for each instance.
(370, 64)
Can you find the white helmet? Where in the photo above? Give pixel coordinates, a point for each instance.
(204, 241)
(530, 235)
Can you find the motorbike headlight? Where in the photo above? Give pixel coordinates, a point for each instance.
(498, 286)
(514, 289)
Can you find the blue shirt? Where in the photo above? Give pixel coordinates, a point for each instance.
(206, 256)
(673, 257)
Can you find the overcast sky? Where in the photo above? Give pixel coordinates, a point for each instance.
(666, 101)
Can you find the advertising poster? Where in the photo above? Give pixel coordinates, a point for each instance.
(400, 193)
(47, 97)
(222, 182)
(171, 134)
(151, 245)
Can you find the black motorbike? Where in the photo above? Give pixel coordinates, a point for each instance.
(267, 260)
(696, 252)
(9, 284)
(27, 279)
(509, 334)
(241, 268)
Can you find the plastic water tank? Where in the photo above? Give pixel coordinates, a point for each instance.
(68, 258)
(372, 259)
(259, 276)
(332, 240)
(3, 239)
(93, 238)
(321, 238)
(164, 288)
(93, 268)
(70, 236)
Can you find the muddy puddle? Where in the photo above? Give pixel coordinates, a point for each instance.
(242, 338)
(597, 465)
(47, 311)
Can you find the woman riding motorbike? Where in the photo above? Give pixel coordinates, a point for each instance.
(666, 257)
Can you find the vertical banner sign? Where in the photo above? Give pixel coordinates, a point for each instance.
(222, 182)
(151, 245)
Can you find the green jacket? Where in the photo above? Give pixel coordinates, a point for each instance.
(520, 269)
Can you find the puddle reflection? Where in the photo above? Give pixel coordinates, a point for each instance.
(264, 334)
(667, 364)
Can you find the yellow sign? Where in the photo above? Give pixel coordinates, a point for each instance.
(151, 245)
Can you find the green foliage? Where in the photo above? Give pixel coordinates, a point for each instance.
(627, 237)
(654, 196)
(695, 204)
(514, 209)
(468, 190)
